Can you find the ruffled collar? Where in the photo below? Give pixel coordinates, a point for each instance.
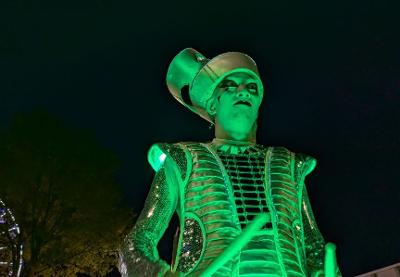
(235, 147)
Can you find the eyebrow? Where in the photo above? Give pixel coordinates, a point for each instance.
(237, 79)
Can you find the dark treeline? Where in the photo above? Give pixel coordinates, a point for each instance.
(61, 186)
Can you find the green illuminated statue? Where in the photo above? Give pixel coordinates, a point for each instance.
(243, 207)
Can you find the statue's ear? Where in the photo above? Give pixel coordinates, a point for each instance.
(212, 106)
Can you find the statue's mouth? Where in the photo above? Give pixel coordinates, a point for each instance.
(243, 102)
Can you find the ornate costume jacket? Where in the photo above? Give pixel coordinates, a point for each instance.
(194, 180)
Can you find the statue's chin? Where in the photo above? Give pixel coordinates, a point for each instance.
(237, 126)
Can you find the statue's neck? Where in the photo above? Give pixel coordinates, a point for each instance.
(235, 136)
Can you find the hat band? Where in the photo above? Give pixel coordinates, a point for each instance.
(211, 73)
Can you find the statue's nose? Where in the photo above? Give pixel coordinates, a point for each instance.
(242, 91)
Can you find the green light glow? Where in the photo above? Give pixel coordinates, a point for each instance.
(235, 107)
(156, 157)
(330, 260)
(243, 208)
(237, 244)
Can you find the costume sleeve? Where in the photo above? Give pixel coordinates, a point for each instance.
(139, 254)
(313, 240)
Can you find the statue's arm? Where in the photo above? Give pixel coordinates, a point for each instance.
(315, 243)
(313, 240)
(139, 254)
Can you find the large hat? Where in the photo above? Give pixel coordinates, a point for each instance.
(192, 78)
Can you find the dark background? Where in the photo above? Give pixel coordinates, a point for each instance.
(331, 72)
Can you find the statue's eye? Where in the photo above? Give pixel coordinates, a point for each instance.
(252, 87)
(228, 85)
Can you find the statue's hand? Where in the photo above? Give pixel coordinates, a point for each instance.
(330, 265)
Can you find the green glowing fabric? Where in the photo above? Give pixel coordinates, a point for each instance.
(217, 189)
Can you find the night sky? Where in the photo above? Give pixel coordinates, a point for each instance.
(331, 71)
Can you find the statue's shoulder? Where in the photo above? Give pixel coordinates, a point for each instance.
(279, 151)
(167, 148)
(160, 151)
(303, 164)
(175, 152)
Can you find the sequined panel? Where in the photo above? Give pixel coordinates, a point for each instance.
(138, 254)
(179, 157)
(192, 244)
(314, 242)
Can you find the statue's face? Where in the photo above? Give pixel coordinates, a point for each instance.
(236, 102)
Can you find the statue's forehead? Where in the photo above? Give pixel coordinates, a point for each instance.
(239, 76)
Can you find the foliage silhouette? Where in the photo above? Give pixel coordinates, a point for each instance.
(61, 185)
